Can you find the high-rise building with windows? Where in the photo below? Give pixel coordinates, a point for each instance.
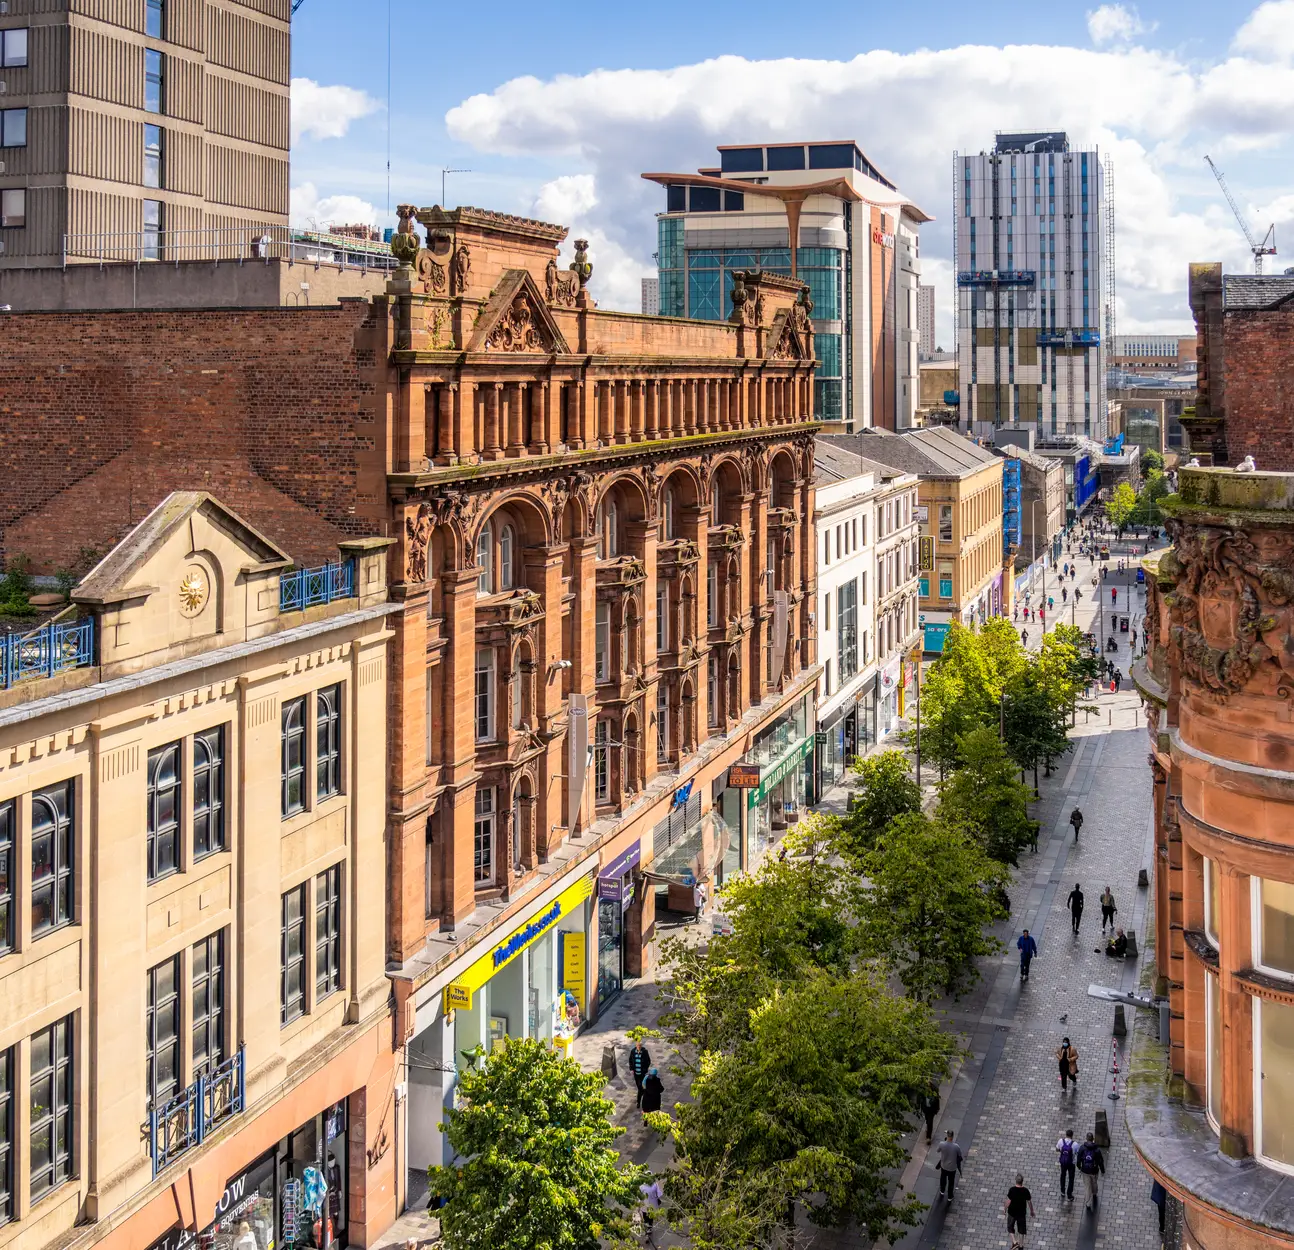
(141, 129)
(856, 246)
(925, 320)
(1033, 231)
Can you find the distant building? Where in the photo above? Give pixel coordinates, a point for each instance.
(651, 297)
(1031, 244)
(926, 344)
(856, 246)
(1042, 505)
(1153, 352)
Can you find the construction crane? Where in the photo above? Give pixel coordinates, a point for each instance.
(1267, 247)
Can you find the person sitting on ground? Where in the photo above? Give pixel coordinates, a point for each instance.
(1117, 946)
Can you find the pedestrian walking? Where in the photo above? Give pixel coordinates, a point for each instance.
(653, 1088)
(1159, 1196)
(1075, 905)
(948, 1159)
(1118, 680)
(698, 900)
(1091, 1163)
(639, 1066)
(1064, 594)
(1076, 819)
(928, 1105)
(1067, 1150)
(653, 1200)
(1028, 948)
(1114, 594)
(1107, 909)
(1067, 1062)
(1024, 637)
(1018, 1201)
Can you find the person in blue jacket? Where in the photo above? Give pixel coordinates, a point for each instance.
(1028, 948)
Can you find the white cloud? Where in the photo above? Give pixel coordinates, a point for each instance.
(1115, 23)
(1154, 112)
(1269, 32)
(326, 112)
(307, 210)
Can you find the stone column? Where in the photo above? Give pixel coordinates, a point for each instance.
(493, 449)
(541, 418)
(447, 451)
(463, 403)
(690, 406)
(622, 394)
(651, 401)
(1235, 934)
(588, 412)
(637, 410)
(518, 396)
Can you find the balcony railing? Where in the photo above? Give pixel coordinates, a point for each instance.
(307, 587)
(184, 1122)
(45, 651)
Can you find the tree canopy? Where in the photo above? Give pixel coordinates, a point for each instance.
(886, 791)
(983, 800)
(1121, 505)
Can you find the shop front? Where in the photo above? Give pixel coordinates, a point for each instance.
(934, 631)
(784, 752)
(887, 698)
(615, 894)
(837, 745)
(691, 844)
(532, 981)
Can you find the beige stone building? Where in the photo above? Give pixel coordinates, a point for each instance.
(127, 126)
(193, 1007)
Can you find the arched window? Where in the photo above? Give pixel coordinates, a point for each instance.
(667, 514)
(505, 558)
(612, 528)
(484, 562)
(716, 516)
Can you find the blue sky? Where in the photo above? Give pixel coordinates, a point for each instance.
(557, 109)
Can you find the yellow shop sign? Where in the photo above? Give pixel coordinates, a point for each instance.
(459, 994)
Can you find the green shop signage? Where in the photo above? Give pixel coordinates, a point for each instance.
(778, 772)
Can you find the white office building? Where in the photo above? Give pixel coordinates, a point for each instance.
(926, 344)
(651, 297)
(1035, 294)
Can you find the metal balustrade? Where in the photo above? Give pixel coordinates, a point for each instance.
(185, 1120)
(305, 588)
(42, 652)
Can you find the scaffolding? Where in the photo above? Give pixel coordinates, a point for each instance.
(1108, 283)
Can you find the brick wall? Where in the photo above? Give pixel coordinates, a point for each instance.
(1260, 387)
(103, 413)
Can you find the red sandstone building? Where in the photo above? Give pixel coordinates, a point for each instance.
(604, 555)
(1211, 1108)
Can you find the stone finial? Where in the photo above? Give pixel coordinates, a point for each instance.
(580, 266)
(740, 297)
(405, 242)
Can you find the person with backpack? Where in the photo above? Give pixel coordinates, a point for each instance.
(1018, 1201)
(1028, 948)
(1067, 1149)
(1076, 819)
(1091, 1163)
(948, 1159)
(1067, 1061)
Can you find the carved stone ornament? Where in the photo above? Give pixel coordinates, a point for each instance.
(405, 241)
(555, 494)
(516, 331)
(1231, 611)
(194, 590)
(417, 530)
(432, 275)
(759, 308)
(787, 346)
(741, 301)
(560, 288)
(435, 319)
(580, 266)
(460, 269)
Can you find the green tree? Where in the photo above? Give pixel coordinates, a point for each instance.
(887, 790)
(812, 1107)
(1120, 506)
(932, 892)
(538, 1167)
(1153, 489)
(983, 799)
(1152, 460)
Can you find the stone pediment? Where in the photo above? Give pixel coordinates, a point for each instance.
(516, 320)
(788, 338)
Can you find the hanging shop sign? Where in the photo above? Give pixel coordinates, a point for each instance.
(926, 550)
(459, 993)
(775, 775)
(682, 794)
(743, 776)
(612, 885)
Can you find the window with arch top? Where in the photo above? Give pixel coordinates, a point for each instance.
(667, 514)
(484, 563)
(607, 526)
(507, 546)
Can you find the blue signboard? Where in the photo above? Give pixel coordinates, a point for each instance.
(935, 635)
(682, 794)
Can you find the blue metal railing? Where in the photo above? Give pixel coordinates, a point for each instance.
(45, 651)
(996, 277)
(184, 1121)
(306, 587)
(1069, 338)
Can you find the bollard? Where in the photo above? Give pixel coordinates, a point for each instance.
(1120, 1023)
(1165, 1022)
(1132, 944)
(1101, 1130)
(1143, 880)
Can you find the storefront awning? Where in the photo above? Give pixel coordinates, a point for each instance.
(777, 772)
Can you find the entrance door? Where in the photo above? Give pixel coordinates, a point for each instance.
(610, 950)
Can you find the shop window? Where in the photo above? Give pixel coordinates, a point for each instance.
(6, 1135)
(53, 1107)
(294, 756)
(207, 1026)
(485, 694)
(52, 858)
(602, 761)
(483, 836)
(208, 792)
(662, 723)
(484, 562)
(163, 831)
(8, 821)
(602, 642)
(292, 954)
(925, 586)
(328, 742)
(1276, 926)
(328, 932)
(1274, 1060)
(1212, 893)
(163, 1032)
(1213, 1030)
(506, 557)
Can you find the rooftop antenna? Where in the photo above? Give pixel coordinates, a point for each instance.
(388, 108)
(443, 172)
(1267, 247)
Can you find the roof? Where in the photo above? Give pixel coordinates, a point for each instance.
(832, 463)
(932, 452)
(1029, 457)
(1252, 290)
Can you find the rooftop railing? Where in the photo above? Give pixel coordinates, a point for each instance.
(305, 588)
(42, 652)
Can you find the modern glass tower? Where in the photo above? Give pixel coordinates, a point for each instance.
(857, 248)
(1034, 237)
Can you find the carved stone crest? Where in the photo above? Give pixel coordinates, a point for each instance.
(431, 273)
(516, 330)
(560, 288)
(460, 269)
